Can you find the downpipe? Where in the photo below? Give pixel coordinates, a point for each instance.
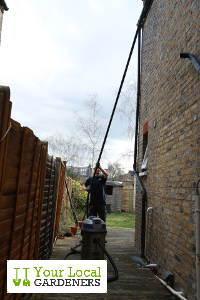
(143, 191)
(143, 225)
(197, 210)
(147, 235)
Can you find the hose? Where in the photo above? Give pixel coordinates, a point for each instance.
(115, 277)
(73, 250)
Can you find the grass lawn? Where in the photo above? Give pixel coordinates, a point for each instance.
(121, 219)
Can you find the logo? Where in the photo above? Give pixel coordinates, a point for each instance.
(57, 276)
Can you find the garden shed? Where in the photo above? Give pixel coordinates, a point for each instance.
(114, 191)
(128, 203)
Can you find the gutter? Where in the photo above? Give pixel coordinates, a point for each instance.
(3, 5)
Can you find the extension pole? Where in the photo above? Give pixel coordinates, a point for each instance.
(143, 224)
(72, 206)
(117, 98)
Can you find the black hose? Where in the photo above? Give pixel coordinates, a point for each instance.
(73, 251)
(74, 248)
(115, 277)
(67, 254)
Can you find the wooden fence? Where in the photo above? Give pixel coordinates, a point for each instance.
(48, 209)
(61, 188)
(29, 185)
(127, 199)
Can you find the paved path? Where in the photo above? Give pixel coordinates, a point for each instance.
(134, 282)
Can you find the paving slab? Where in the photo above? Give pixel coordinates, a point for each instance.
(134, 282)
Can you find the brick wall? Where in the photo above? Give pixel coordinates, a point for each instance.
(170, 94)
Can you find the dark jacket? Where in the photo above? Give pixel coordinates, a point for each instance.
(98, 195)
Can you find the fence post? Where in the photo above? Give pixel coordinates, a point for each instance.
(43, 160)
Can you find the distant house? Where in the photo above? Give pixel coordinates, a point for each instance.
(82, 172)
(114, 191)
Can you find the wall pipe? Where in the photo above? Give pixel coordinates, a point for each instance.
(177, 294)
(197, 210)
(147, 236)
(193, 59)
(147, 6)
(138, 101)
(143, 191)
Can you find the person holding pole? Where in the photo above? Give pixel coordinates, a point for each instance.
(97, 203)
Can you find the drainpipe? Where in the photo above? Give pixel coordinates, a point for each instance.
(147, 235)
(146, 8)
(193, 59)
(197, 210)
(143, 191)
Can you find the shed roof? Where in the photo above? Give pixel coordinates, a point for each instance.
(114, 183)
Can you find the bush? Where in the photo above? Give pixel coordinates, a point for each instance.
(79, 197)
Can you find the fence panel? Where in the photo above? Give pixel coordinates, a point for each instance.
(23, 162)
(31, 192)
(47, 209)
(60, 197)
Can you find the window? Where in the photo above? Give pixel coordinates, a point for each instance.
(145, 147)
(144, 163)
(109, 190)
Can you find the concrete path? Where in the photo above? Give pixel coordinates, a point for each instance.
(134, 282)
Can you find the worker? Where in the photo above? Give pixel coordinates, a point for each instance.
(97, 203)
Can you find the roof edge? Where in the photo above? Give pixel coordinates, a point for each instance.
(3, 5)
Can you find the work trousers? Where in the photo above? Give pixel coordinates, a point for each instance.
(98, 209)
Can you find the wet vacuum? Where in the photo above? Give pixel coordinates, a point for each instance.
(93, 243)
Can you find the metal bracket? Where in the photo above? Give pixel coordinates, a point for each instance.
(193, 59)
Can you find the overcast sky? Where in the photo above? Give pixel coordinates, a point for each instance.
(54, 53)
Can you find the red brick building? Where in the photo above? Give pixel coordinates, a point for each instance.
(169, 123)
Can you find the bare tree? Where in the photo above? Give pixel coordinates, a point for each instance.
(90, 127)
(127, 105)
(67, 148)
(115, 171)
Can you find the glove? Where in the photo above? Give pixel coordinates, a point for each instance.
(98, 166)
(88, 189)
